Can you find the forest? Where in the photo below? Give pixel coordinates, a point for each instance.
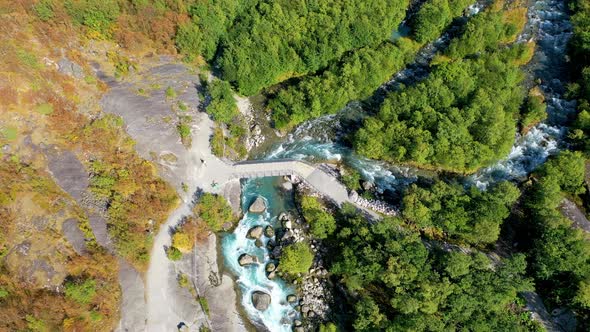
(463, 116)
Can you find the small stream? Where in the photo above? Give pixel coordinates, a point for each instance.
(323, 139)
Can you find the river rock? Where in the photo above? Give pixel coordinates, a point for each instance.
(291, 298)
(270, 267)
(299, 329)
(287, 224)
(255, 232)
(272, 275)
(368, 185)
(283, 216)
(269, 231)
(246, 259)
(260, 300)
(287, 186)
(304, 309)
(258, 206)
(259, 243)
(297, 322)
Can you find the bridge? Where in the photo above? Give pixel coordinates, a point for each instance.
(322, 182)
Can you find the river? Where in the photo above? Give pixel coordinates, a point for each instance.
(323, 140)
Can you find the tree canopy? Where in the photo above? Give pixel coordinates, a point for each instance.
(460, 118)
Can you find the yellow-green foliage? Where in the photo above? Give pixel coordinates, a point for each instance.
(214, 210)
(92, 285)
(45, 108)
(131, 185)
(182, 242)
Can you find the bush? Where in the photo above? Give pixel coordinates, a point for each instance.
(170, 93)
(81, 292)
(322, 223)
(352, 179)
(44, 10)
(296, 258)
(214, 210)
(174, 254)
(223, 106)
(204, 304)
(182, 242)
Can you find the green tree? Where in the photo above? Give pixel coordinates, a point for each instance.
(296, 258)
(322, 222)
(214, 210)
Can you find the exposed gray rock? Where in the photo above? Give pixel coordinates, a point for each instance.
(259, 243)
(272, 275)
(353, 196)
(291, 298)
(74, 235)
(255, 232)
(287, 185)
(258, 206)
(305, 308)
(67, 67)
(260, 300)
(246, 259)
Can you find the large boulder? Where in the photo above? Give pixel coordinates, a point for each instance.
(258, 206)
(246, 259)
(255, 232)
(291, 298)
(260, 300)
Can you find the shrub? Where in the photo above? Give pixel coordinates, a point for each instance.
(296, 258)
(322, 223)
(44, 10)
(352, 179)
(182, 242)
(3, 293)
(35, 324)
(83, 292)
(174, 254)
(170, 93)
(214, 210)
(204, 304)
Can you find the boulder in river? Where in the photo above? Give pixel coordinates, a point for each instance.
(270, 267)
(259, 243)
(368, 185)
(260, 300)
(291, 298)
(288, 186)
(246, 259)
(272, 275)
(258, 206)
(255, 232)
(269, 231)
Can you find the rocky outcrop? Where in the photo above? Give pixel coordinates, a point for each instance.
(259, 206)
(246, 259)
(260, 300)
(255, 232)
